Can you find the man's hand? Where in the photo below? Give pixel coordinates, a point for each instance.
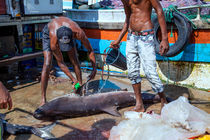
(92, 75)
(164, 47)
(5, 98)
(74, 82)
(115, 44)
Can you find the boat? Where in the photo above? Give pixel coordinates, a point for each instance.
(190, 67)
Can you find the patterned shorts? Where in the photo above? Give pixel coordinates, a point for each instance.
(140, 49)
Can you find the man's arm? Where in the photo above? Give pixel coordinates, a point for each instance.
(83, 38)
(115, 44)
(164, 45)
(5, 98)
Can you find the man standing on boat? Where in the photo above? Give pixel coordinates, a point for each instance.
(140, 46)
(59, 35)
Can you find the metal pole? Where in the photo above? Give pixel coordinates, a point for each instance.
(194, 6)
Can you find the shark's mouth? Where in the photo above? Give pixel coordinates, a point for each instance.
(39, 113)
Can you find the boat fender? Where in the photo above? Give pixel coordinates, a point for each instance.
(184, 32)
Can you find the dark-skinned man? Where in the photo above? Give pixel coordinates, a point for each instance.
(140, 46)
(59, 35)
(5, 98)
(5, 102)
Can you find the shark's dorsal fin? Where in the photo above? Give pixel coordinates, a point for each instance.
(112, 110)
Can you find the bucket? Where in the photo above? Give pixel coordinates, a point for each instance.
(116, 58)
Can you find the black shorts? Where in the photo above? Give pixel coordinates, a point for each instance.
(46, 40)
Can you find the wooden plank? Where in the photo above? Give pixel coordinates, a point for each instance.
(20, 58)
(7, 21)
(10, 23)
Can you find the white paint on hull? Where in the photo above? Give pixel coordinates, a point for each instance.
(185, 73)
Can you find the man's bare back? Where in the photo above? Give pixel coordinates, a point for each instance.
(62, 21)
(140, 17)
(56, 23)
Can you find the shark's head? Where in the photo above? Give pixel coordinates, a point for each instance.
(39, 114)
(43, 112)
(50, 111)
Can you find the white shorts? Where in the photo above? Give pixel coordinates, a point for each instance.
(140, 49)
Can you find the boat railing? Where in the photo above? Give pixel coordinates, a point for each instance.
(198, 17)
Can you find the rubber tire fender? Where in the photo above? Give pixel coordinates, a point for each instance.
(184, 32)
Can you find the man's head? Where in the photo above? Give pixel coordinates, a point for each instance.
(65, 38)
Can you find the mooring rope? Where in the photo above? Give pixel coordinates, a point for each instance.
(104, 63)
(169, 15)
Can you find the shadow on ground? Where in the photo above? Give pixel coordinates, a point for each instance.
(175, 91)
(99, 131)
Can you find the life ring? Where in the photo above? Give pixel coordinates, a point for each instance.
(184, 32)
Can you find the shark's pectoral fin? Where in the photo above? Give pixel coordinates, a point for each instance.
(112, 110)
(45, 132)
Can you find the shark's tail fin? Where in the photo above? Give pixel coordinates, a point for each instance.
(45, 132)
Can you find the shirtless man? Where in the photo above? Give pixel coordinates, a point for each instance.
(59, 35)
(140, 45)
(5, 102)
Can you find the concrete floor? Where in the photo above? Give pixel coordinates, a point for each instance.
(27, 97)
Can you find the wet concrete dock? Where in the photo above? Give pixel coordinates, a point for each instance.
(27, 97)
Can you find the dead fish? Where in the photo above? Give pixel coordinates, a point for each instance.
(13, 129)
(77, 106)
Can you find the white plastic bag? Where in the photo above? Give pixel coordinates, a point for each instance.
(178, 121)
(180, 113)
(142, 126)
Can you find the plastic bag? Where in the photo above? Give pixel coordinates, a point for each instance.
(179, 120)
(142, 126)
(180, 113)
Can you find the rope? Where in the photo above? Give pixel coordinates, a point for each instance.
(169, 14)
(171, 35)
(104, 59)
(203, 17)
(104, 63)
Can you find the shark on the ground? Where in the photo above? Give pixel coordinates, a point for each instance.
(100, 96)
(69, 106)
